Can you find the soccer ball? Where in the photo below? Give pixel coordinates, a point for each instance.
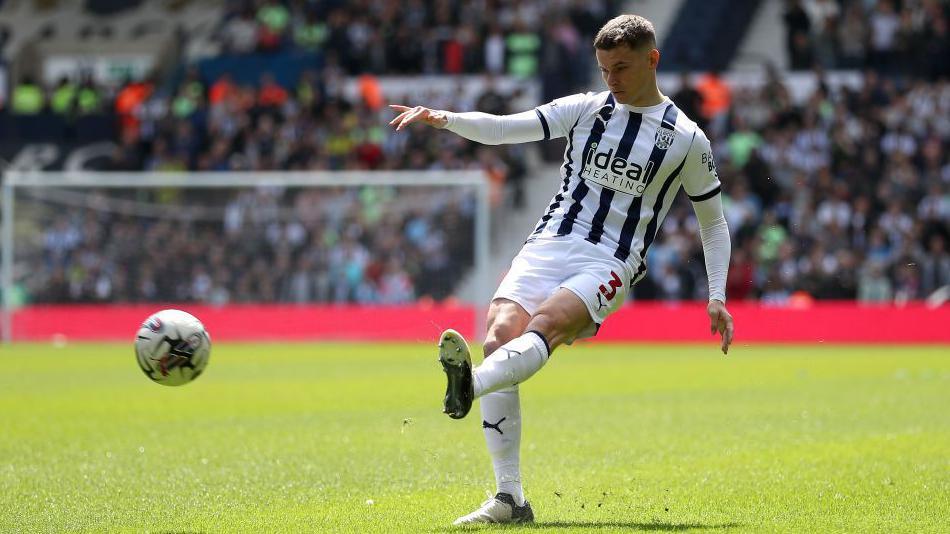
(172, 347)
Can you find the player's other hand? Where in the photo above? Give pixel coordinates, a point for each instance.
(407, 116)
(720, 321)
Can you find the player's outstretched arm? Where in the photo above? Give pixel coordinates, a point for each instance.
(408, 115)
(479, 127)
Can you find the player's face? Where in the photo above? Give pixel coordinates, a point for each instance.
(628, 71)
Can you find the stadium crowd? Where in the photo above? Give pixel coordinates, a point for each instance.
(893, 36)
(846, 196)
(223, 125)
(379, 245)
(418, 37)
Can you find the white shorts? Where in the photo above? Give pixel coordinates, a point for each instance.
(589, 271)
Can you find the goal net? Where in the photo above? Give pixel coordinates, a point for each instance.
(353, 238)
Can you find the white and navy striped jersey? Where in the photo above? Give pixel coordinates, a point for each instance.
(623, 166)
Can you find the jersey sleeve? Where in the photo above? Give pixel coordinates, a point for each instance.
(559, 115)
(700, 178)
(495, 129)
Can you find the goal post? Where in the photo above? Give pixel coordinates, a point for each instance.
(120, 192)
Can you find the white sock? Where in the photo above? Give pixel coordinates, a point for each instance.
(513, 363)
(501, 421)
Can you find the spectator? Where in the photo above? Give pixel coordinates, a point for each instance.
(522, 48)
(934, 265)
(717, 97)
(884, 24)
(128, 102)
(221, 90)
(28, 98)
(853, 35)
(495, 51)
(740, 280)
(274, 19)
(311, 33)
(688, 99)
(63, 99)
(742, 142)
(797, 35)
(240, 33)
(270, 94)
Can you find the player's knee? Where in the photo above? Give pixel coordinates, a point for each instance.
(506, 321)
(499, 333)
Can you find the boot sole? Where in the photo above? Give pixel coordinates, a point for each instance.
(456, 361)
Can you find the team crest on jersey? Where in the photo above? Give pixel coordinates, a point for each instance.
(664, 138)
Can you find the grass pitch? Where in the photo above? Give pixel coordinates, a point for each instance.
(349, 438)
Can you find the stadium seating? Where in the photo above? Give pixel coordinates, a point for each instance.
(706, 34)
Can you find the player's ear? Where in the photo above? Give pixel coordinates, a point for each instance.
(654, 58)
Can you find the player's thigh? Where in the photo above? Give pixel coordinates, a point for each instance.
(506, 320)
(561, 318)
(582, 302)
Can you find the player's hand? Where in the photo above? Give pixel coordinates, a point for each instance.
(407, 116)
(720, 321)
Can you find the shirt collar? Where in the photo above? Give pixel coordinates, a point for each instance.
(648, 109)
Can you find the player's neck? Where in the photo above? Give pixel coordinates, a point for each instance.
(649, 96)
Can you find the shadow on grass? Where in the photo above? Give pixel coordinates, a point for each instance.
(631, 525)
(626, 525)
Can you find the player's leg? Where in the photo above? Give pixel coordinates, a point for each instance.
(501, 424)
(559, 319)
(576, 309)
(506, 321)
(573, 308)
(535, 272)
(501, 410)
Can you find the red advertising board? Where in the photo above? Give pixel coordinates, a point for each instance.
(836, 322)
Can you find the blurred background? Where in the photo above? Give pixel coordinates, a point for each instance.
(829, 119)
